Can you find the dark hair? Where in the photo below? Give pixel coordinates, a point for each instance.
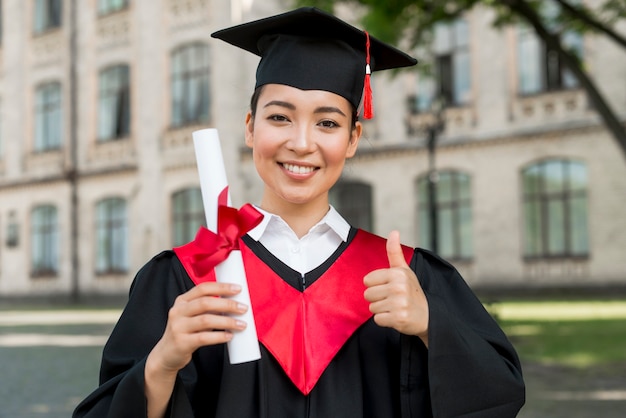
(254, 101)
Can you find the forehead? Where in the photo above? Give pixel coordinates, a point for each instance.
(280, 93)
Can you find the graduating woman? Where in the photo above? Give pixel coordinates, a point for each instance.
(349, 324)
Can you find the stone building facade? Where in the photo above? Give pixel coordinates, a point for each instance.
(97, 169)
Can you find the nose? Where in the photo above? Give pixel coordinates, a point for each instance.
(301, 140)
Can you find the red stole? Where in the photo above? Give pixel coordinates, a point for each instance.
(305, 330)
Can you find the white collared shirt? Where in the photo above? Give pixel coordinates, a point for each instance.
(308, 252)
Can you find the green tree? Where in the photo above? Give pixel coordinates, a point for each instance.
(414, 20)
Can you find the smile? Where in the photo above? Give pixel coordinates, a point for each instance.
(298, 169)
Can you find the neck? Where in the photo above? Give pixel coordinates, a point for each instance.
(300, 218)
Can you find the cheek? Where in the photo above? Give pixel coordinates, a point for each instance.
(263, 152)
(336, 155)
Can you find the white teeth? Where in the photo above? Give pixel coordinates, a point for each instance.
(297, 169)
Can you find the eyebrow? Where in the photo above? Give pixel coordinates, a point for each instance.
(281, 104)
(290, 106)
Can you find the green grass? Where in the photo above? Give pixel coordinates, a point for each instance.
(579, 333)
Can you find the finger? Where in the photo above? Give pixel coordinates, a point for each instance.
(376, 278)
(211, 289)
(394, 250)
(374, 293)
(216, 305)
(211, 322)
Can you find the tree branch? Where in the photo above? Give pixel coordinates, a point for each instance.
(613, 124)
(581, 14)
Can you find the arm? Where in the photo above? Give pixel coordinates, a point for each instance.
(472, 369)
(151, 343)
(198, 318)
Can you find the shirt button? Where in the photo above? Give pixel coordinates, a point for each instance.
(295, 249)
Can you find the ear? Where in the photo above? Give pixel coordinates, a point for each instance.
(249, 134)
(355, 137)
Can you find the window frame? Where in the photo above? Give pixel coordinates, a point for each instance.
(354, 201)
(47, 15)
(462, 245)
(193, 77)
(44, 249)
(107, 7)
(542, 200)
(112, 235)
(549, 73)
(114, 103)
(48, 114)
(189, 218)
(448, 60)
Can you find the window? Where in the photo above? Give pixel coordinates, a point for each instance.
(110, 6)
(48, 119)
(555, 209)
(111, 235)
(354, 201)
(187, 215)
(453, 208)
(190, 85)
(47, 15)
(114, 110)
(540, 68)
(452, 70)
(45, 245)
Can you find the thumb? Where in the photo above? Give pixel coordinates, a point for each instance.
(394, 250)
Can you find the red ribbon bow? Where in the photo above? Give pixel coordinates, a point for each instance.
(232, 224)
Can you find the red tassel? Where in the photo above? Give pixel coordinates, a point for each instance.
(368, 106)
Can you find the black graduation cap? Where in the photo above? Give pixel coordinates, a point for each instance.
(310, 49)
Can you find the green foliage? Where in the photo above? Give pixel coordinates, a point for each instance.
(391, 20)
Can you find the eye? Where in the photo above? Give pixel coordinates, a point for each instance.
(327, 123)
(278, 118)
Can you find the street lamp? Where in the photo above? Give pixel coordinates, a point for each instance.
(433, 129)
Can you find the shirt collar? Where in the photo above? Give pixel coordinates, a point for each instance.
(332, 220)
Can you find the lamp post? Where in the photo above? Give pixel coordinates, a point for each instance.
(434, 129)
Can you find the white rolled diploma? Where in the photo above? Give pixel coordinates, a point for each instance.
(244, 345)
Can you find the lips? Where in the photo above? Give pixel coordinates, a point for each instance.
(298, 169)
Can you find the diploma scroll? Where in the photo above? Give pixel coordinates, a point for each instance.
(244, 345)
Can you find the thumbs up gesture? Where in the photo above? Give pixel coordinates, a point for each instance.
(395, 295)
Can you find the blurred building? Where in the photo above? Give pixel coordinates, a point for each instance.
(99, 99)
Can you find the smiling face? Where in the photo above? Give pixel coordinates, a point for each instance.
(300, 140)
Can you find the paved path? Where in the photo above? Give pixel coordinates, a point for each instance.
(50, 360)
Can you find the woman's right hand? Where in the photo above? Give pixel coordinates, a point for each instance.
(198, 318)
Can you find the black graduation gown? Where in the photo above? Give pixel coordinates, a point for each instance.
(470, 369)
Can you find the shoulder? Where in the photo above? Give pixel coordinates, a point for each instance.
(163, 271)
(376, 243)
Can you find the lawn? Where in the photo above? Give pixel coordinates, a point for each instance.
(571, 333)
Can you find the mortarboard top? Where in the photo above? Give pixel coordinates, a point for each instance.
(312, 50)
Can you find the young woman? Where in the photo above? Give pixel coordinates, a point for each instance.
(349, 324)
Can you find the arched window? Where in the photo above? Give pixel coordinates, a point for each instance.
(453, 211)
(187, 215)
(44, 241)
(114, 103)
(353, 200)
(48, 117)
(190, 84)
(555, 209)
(111, 236)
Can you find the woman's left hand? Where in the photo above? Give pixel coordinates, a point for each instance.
(395, 295)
